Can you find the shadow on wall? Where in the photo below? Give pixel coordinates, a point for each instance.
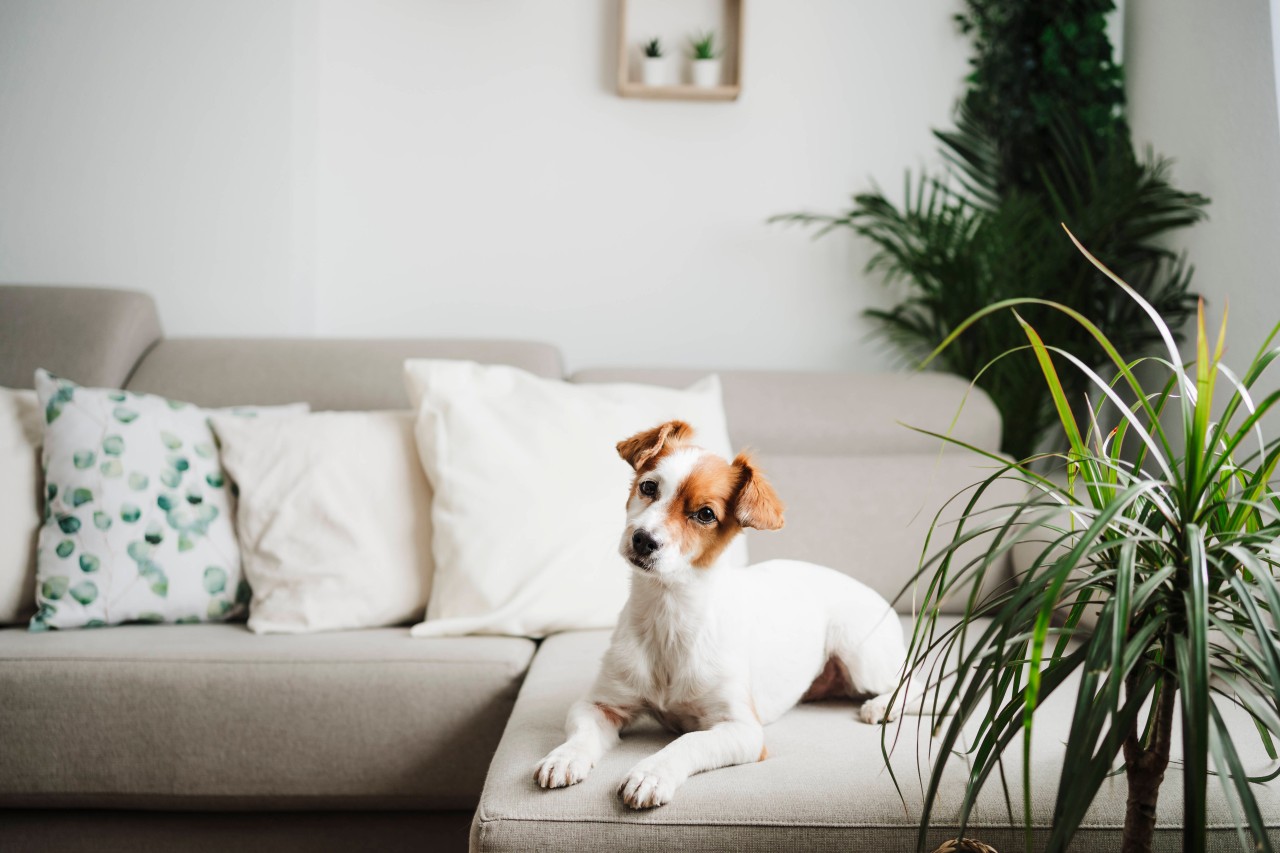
(609, 48)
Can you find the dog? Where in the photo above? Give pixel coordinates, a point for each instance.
(715, 654)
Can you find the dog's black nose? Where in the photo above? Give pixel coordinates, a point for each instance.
(643, 543)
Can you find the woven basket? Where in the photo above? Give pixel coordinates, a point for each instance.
(965, 845)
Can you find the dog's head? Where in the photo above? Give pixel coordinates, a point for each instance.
(687, 503)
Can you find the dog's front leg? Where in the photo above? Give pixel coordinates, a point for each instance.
(593, 730)
(653, 782)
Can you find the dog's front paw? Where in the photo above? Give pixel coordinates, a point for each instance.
(878, 710)
(646, 788)
(563, 766)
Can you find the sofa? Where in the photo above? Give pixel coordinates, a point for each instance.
(211, 737)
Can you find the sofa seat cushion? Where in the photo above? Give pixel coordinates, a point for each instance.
(214, 717)
(822, 787)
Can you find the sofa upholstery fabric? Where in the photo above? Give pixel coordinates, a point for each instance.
(88, 335)
(821, 788)
(214, 717)
(333, 374)
(114, 831)
(830, 414)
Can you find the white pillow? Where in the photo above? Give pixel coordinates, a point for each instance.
(138, 526)
(334, 519)
(20, 502)
(530, 493)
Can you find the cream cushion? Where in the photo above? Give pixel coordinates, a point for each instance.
(20, 434)
(334, 521)
(530, 493)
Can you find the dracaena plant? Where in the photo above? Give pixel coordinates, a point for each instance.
(1152, 594)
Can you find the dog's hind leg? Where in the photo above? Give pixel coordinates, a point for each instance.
(872, 659)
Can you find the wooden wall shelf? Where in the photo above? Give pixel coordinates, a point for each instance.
(631, 36)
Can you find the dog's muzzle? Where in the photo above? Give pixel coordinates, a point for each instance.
(642, 549)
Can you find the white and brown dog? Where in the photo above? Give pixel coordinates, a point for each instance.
(716, 654)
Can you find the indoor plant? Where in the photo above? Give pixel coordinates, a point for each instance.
(1168, 548)
(1040, 138)
(704, 59)
(653, 67)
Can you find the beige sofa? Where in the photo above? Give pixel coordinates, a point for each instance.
(209, 737)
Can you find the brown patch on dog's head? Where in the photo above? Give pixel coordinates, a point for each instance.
(716, 500)
(757, 504)
(701, 519)
(644, 449)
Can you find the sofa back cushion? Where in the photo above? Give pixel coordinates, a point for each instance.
(330, 374)
(861, 488)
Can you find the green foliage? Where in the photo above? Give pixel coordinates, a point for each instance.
(1033, 62)
(1036, 144)
(653, 48)
(1172, 557)
(703, 45)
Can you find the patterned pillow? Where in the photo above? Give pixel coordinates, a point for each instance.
(138, 520)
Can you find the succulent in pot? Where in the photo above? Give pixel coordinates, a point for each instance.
(653, 63)
(704, 56)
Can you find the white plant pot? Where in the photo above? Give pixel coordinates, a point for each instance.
(653, 71)
(706, 72)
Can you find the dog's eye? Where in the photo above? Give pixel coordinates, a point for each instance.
(648, 488)
(706, 515)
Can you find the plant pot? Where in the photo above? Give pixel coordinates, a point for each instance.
(706, 72)
(653, 71)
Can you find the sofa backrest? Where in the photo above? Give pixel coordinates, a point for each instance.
(861, 488)
(330, 374)
(88, 335)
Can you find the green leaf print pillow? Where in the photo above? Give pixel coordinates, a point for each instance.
(138, 519)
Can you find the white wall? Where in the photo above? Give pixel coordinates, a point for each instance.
(438, 167)
(146, 144)
(435, 167)
(1201, 86)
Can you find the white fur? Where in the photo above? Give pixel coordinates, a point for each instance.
(718, 653)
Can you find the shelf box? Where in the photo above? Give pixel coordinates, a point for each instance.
(682, 92)
(667, 18)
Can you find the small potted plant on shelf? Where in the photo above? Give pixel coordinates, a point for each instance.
(653, 68)
(705, 59)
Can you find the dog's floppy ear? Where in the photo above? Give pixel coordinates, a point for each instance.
(643, 446)
(756, 504)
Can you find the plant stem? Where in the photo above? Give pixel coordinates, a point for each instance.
(1144, 769)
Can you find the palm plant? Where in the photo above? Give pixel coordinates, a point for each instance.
(1030, 149)
(960, 245)
(1153, 585)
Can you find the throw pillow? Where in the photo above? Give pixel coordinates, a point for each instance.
(334, 519)
(19, 502)
(138, 522)
(530, 493)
